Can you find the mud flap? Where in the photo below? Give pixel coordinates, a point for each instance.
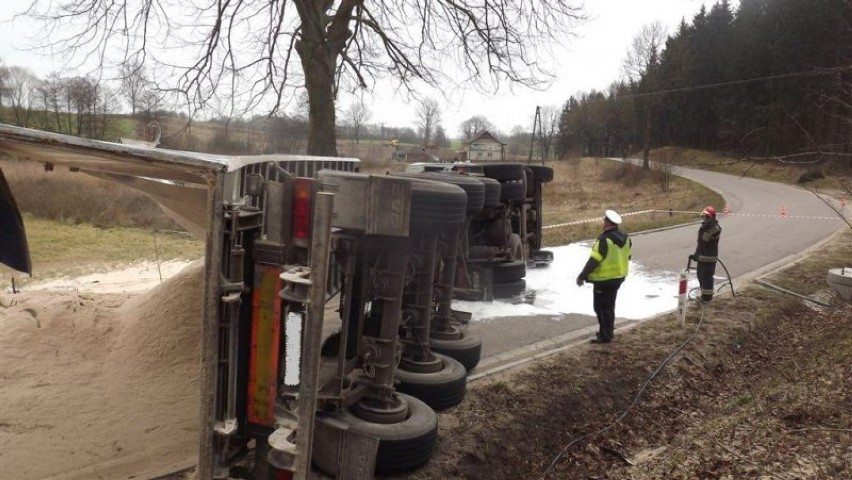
(461, 317)
(14, 251)
(481, 285)
(350, 455)
(540, 258)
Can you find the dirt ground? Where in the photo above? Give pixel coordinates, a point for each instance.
(764, 390)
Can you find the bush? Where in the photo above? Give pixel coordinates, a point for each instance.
(810, 175)
(627, 174)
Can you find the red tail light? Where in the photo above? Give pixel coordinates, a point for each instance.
(283, 475)
(302, 208)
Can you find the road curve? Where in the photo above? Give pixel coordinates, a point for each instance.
(755, 235)
(755, 238)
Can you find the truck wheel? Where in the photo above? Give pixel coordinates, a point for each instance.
(402, 446)
(508, 271)
(492, 191)
(504, 172)
(509, 289)
(435, 204)
(467, 349)
(529, 182)
(513, 192)
(474, 189)
(440, 390)
(542, 174)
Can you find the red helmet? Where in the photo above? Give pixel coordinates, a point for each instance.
(709, 211)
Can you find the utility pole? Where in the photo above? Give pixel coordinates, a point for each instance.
(535, 137)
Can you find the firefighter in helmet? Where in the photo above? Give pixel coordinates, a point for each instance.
(707, 251)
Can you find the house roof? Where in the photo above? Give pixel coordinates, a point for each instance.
(484, 135)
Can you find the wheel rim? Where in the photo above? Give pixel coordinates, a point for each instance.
(380, 412)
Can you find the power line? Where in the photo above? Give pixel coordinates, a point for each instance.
(808, 73)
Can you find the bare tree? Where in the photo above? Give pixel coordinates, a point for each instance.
(4, 82)
(151, 104)
(441, 140)
(358, 115)
(428, 118)
(52, 93)
(550, 117)
(22, 88)
(258, 51)
(473, 125)
(133, 84)
(640, 67)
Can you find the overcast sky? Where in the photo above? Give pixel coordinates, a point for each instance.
(590, 60)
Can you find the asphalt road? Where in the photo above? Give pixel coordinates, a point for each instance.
(756, 237)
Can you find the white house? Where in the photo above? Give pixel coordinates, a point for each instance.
(484, 147)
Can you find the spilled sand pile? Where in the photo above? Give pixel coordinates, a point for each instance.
(100, 385)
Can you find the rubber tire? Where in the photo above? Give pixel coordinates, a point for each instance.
(435, 204)
(403, 446)
(504, 172)
(440, 390)
(474, 189)
(467, 349)
(541, 173)
(508, 271)
(492, 192)
(529, 182)
(513, 192)
(509, 289)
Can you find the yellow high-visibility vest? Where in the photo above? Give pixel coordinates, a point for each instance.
(614, 265)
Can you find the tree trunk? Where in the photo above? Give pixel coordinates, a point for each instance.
(646, 140)
(318, 64)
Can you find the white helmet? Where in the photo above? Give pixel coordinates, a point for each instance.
(613, 217)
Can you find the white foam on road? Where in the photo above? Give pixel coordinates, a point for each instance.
(645, 293)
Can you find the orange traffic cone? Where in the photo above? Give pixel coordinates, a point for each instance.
(783, 211)
(726, 211)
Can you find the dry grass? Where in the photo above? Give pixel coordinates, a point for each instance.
(63, 249)
(583, 188)
(772, 170)
(73, 198)
(77, 224)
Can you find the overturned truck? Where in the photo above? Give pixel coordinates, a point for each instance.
(328, 339)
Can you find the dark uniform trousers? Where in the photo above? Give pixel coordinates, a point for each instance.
(604, 303)
(705, 273)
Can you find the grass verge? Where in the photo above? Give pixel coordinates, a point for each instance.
(63, 249)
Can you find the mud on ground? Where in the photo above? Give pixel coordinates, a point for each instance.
(763, 391)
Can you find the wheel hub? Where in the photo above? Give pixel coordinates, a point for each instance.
(377, 411)
(431, 364)
(450, 333)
